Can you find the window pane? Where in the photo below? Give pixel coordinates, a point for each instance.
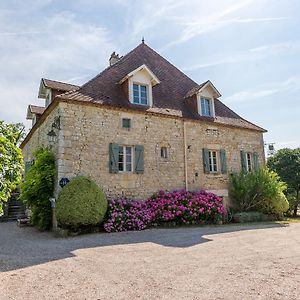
(143, 94)
(144, 100)
(126, 123)
(135, 87)
(128, 159)
(121, 155)
(210, 162)
(205, 107)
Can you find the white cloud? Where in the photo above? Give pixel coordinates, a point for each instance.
(253, 54)
(57, 46)
(290, 85)
(204, 24)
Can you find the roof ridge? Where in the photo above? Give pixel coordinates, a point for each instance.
(124, 57)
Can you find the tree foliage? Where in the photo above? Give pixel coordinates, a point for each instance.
(11, 162)
(38, 188)
(260, 190)
(286, 163)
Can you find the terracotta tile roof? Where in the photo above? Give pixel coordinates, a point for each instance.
(168, 96)
(58, 85)
(38, 110)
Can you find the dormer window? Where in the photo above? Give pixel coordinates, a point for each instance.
(205, 93)
(140, 83)
(140, 95)
(206, 107)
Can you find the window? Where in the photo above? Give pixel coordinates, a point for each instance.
(126, 123)
(213, 163)
(140, 94)
(249, 161)
(48, 98)
(164, 152)
(125, 158)
(206, 107)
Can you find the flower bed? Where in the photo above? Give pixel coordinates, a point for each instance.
(124, 214)
(185, 207)
(181, 207)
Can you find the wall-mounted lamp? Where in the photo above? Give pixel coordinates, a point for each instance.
(51, 136)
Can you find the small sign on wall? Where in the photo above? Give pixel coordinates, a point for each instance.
(63, 181)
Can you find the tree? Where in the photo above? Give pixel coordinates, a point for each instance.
(11, 162)
(286, 163)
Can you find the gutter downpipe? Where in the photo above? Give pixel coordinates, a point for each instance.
(185, 156)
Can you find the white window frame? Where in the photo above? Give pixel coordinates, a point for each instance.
(249, 161)
(211, 106)
(124, 163)
(48, 97)
(131, 82)
(217, 164)
(140, 93)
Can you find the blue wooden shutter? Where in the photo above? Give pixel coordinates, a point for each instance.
(205, 154)
(113, 158)
(255, 161)
(223, 161)
(243, 161)
(139, 159)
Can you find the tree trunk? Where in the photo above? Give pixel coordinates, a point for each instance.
(296, 205)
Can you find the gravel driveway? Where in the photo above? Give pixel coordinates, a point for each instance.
(229, 262)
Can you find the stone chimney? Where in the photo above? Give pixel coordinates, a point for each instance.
(113, 58)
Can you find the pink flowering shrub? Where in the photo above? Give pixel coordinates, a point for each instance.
(124, 214)
(185, 207)
(181, 207)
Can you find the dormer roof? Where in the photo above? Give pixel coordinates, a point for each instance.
(34, 110)
(55, 85)
(198, 89)
(143, 67)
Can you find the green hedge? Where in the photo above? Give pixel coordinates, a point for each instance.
(80, 203)
(38, 188)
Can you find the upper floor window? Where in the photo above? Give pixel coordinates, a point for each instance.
(206, 107)
(249, 162)
(140, 94)
(126, 123)
(213, 163)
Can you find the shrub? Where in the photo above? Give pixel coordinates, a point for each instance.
(124, 214)
(260, 190)
(38, 188)
(81, 203)
(251, 216)
(185, 207)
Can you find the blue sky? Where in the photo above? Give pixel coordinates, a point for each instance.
(249, 49)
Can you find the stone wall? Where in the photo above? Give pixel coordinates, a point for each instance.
(86, 131)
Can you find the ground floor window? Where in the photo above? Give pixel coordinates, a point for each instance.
(125, 161)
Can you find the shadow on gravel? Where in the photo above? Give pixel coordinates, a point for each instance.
(24, 247)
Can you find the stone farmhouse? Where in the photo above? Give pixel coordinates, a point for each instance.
(142, 125)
